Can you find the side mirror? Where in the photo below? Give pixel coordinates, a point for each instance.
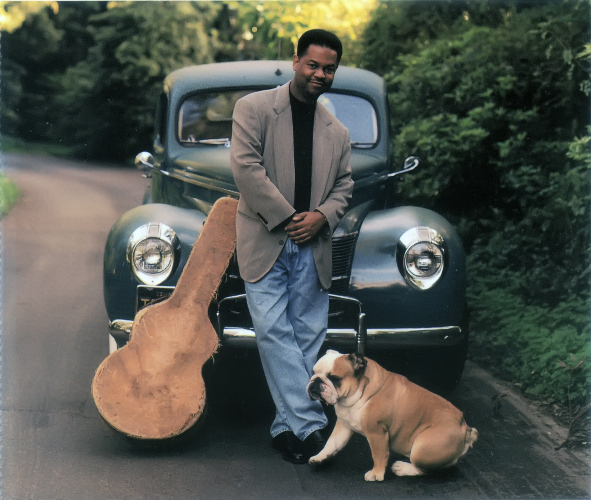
(410, 163)
(144, 161)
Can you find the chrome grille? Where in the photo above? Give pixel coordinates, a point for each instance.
(342, 256)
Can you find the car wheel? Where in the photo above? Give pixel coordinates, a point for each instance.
(443, 368)
(437, 369)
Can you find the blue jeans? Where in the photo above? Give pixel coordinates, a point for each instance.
(289, 310)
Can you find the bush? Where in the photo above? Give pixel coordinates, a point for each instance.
(492, 111)
(523, 333)
(493, 98)
(523, 342)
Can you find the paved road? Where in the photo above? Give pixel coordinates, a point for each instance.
(54, 336)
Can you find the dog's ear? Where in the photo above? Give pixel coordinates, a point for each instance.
(359, 364)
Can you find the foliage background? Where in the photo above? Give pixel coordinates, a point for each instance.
(492, 95)
(494, 98)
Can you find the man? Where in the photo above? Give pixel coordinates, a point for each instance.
(290, 160)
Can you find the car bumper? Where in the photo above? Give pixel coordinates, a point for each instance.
(358, 337)
(386, 338)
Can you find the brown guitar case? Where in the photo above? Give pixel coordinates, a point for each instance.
(153, 387)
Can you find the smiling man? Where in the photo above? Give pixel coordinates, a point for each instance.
(290, 160)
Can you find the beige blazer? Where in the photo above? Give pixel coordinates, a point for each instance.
(263, 166)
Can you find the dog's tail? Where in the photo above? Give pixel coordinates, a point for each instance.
(470, 439)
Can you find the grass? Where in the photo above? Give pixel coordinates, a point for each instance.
(9, 193)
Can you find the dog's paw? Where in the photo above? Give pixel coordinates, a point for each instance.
(373, 475)
(405, 469)
(317, 459)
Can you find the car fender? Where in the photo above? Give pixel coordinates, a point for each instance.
(378, 282)
(119, 283)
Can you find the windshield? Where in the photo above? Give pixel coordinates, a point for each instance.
(206, 118)
(355, 113)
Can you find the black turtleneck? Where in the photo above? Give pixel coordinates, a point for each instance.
(303, 132)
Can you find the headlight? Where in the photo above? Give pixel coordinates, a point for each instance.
(421, 256)
(153, 252)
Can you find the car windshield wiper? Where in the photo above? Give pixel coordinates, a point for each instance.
(362, 144)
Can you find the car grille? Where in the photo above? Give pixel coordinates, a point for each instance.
(342, 256)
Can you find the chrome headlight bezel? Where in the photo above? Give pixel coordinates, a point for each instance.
(421, 257)
(156, 242)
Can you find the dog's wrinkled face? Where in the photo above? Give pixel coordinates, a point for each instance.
(336, 376)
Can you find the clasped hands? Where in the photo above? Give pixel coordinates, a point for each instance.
(304, 226)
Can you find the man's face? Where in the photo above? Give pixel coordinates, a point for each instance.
(314, 72)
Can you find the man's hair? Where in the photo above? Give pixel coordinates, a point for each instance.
(322, 38)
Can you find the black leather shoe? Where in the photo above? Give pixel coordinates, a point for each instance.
(314, 443)
(282, 441)
(290, 447)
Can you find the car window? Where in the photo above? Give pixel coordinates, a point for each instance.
(206, 117)
(355, 113)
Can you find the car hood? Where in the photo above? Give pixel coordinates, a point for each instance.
(213, 162)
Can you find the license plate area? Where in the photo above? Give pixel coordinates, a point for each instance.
(148, 295)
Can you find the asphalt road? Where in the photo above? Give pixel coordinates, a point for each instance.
(55, 445)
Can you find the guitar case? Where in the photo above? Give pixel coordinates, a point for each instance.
(153, 388)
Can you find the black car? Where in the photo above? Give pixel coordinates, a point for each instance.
(399, 273)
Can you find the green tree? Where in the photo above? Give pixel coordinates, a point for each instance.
(270, 29)
(398, 28)
(44, 45)
(87, 74)
(106, 101)
(23, 67)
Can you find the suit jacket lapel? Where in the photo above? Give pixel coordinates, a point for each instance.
(321, 154)
(283, 144)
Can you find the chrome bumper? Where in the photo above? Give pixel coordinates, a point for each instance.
(357, 337)
(376, 337)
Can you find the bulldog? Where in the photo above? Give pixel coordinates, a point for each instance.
(392, 413)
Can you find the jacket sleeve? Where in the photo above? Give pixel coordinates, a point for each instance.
(246, 157)
(334, 206)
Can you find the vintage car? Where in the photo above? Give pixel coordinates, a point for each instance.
(399, 275)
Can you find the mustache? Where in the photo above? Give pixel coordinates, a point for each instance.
(324, 83)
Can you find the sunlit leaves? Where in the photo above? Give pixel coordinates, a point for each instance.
(13, 14)
(279, 24)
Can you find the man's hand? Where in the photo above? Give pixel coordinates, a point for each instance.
(304, 226)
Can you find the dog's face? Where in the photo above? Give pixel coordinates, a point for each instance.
(336, 376)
